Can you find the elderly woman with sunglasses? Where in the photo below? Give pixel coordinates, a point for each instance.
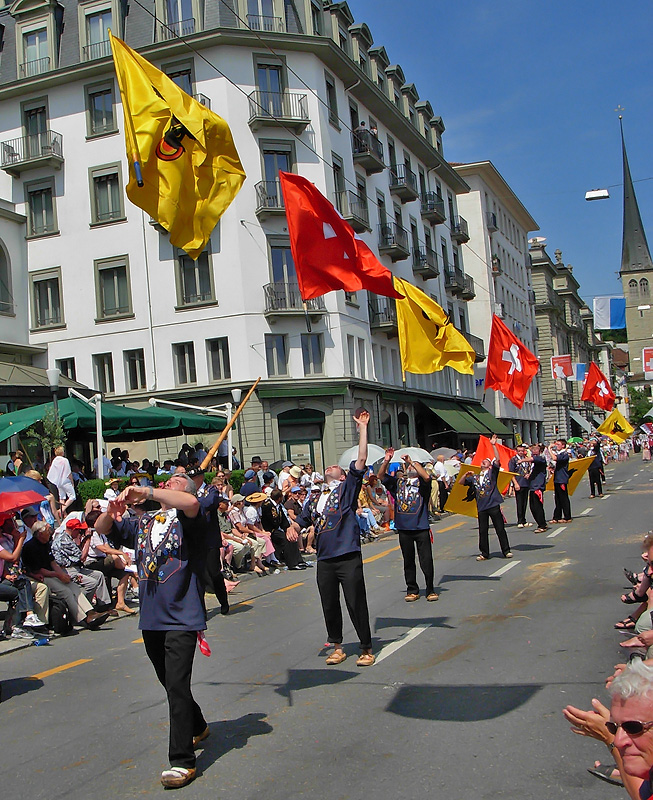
(626, 727)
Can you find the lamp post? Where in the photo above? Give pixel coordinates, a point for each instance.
(236, 395)
(53, 379)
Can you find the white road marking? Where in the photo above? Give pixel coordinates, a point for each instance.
(556, 532)
(605, 497)
(628, 480)
(504, 569)
(391, 648)
(619, 487)
(587, 511)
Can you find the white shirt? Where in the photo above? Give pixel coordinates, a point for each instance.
(440, 470)
(283, 477)
(60, 472)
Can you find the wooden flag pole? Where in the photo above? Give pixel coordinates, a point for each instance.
(227, 428)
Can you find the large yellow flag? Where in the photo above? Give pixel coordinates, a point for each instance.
(577, 468)
(462, 499)
(617, 427)
(184, 170)
(427, 339)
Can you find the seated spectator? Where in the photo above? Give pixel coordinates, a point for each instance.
(266, 473)
(294, 505)
(69, 549)
(276, 522)
(250, 484)
(239, 535)
(252, 510)
(40, 565)
(378, 500)
(29, 517)
(220, 482)
(113, 489)
(15, 588)
(166, 469)
(111, 562)
(269, 483)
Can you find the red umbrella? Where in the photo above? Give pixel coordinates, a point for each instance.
(12, 501)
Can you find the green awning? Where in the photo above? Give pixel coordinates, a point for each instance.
(489, 421)
(303, 391)
(454, 416)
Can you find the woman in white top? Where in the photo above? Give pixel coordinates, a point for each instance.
(60, 475)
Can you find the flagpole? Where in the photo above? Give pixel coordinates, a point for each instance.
(308, 319)
(228, 427)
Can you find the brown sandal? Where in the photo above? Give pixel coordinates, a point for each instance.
(337, 657)
(365, 660)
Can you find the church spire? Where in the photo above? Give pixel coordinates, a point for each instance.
(635, 255)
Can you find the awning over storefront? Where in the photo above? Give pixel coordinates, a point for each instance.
(585, 424)
(455, 416)
(305, 391)
(486, 419)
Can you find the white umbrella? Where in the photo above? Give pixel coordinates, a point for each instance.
(447, 452)
(416, 454)
(374, 454)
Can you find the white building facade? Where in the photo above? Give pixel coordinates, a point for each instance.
(497, 257)
(121, 310)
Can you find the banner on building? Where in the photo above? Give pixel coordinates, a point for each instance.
(578, 372)
(647, 363)
(561, 367)
(609, 313)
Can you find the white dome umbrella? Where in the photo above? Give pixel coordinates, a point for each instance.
(374, 454)
(416, 454)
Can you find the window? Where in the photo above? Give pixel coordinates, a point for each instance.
(643, 286)
(106, 194)
(182, 75)
(97, 35)
(100, 117)
(6, 298)
(339, 182)
(362, 371)
(276, 156)
(445, 252)
(276, 354)
(270, 83)
(184, 362)
(351, 354)
(67, 368)
(180, 19)
(218, 353)
(41, 216)
(332, 100)
(113, 290)
(632, 286)
(383, 212)
(35, 126)
(283, 266)
(36, 53)
(46, 299)
(194, 279)
(351, 298)
(135, 370)
(381, 82)
(316, 18)
(103, 372)
(312, 354)
(396, 371)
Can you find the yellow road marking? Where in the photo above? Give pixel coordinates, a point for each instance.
(450, 527)
(380, 555)
(62, 668)
(138, 641)
(243, 603)
(288, 588)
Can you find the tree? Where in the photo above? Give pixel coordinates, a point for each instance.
(49, 432)
(639, 404)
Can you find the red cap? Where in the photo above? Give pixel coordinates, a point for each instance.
(76, 525)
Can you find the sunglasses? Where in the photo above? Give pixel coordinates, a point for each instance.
(632, 727)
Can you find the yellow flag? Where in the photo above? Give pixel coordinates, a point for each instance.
(462, 499)
(184, 170)
(577, 469)
(427, 340)
(617, 427)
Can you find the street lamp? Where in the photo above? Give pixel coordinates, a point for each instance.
(53, 379)
(236, 394)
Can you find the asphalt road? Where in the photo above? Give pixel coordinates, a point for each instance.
(464, 700)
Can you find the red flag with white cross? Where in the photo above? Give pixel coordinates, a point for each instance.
(327, 253)
(510, 364)
(597, 389)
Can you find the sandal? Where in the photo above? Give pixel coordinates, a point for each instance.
(337, 657)
(631, 576)
(365, 660)
(540, 530)
(482, 558)
(627, 624)
(176, 777)
(605, 773)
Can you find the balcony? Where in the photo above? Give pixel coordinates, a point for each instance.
(403, 183)
(96, 50)
(383, 315)
(36, 67)
(353, 209)
(433, 208)
(393, 241)
(278, 110)
(460, 230)
(491, 221)
(283, 299)
(468, 292)
(267, 24)
(454, 279)
(367, 151)
(425, 262)
(31, 152)
(496, 265)
(269, 199)
(478, 344)
(532, 297)
(181, 27)
(203, 99)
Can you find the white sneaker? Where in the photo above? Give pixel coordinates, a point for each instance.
(32, 621)
(19, 633)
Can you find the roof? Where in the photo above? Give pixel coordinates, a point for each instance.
(635, 255)
(22, 375)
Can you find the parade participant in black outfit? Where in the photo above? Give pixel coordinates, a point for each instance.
(275, 521)
(411, 490)
(209, 498)
(537, 486)
(488, 503)
(522, 468)
(595, 470)
(339, 559)
(560, 457)
(170, 552)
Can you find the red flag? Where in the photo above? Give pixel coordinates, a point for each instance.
(484, 450)
(561, 367)
(597, 389)
(327, 253)
(510, 364)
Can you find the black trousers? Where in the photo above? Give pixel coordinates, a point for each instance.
(408, 540)
(285, 550)
(172, 653)
(562, 508)
(537, 509)
(213, 577)
(345, 571)
(521, 498)
(484, 518)
(443, 494)
(596, 487)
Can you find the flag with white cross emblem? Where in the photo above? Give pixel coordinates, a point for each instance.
(597, 389)
(510, 364)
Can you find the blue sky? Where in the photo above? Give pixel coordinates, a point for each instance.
(532, 86)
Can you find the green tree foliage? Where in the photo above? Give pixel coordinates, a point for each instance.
(49, 432)
(640, 403)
